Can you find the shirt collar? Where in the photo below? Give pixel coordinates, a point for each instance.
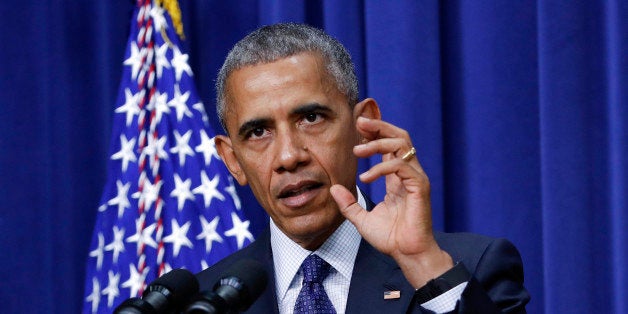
(339, 250)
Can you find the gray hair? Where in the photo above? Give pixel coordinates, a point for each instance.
(270, 43)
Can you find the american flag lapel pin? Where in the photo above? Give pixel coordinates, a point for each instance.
(390, 295)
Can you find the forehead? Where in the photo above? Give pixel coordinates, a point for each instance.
(264, 89)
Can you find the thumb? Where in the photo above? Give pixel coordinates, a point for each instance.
(347, 203)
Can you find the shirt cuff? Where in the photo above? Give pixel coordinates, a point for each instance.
(447, 301)
(441, 294)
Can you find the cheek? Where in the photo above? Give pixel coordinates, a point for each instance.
(257, 171)
(335, 154)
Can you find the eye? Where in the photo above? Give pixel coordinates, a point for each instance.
(312, 118)
(257, 133)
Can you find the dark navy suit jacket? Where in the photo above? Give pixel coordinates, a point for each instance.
(495, 265)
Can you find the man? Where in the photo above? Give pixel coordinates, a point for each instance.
(287, 97)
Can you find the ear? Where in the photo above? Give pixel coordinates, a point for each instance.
(225, 150)
(367, 108)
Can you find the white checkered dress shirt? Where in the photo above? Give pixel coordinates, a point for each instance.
(339, 251)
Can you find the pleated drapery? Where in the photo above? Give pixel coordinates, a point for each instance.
(518, 111)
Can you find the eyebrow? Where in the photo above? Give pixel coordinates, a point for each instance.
(309, 108)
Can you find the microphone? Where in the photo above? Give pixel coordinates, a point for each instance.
(241, 285)
(164, 295)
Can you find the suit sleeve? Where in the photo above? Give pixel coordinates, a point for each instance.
(496, 284)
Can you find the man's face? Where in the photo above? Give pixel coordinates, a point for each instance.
(291, 135)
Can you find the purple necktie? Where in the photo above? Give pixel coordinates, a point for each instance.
(312, 299)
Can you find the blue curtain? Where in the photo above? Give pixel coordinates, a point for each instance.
(518, 110)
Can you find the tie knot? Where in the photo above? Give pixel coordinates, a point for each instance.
(315, 269)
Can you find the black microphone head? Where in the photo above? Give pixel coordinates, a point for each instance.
(249, 278)
(177, 285)
(134, 306)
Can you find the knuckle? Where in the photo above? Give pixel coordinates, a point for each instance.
(405, 134)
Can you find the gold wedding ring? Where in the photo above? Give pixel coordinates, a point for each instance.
(407, 156)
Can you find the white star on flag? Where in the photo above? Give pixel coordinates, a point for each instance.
(121, 198)
(94, 297)
(182, 148)
(240, 230)
(231, 189)
(142, 236)
(167, 268)
(130, 106)
(208, 148)
(179, 103)
(117, 245)
(112, 291)
(178, 237)
(155, 150)
(161, 61)
(157, 14)
(209, 189)
(149, 194)
(126, 152)
(160, 105)
(180, 63)
(182, 191)
(201, 109)
(135, 60)
(99, 252)
(204, 265)
(209, 233)
(136, 280)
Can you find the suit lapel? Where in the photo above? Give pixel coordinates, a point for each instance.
(374, 274)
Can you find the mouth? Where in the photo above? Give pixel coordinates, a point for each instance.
(297, 195)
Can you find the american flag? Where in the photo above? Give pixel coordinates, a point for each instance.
(168, 202)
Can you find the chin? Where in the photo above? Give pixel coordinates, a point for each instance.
(310, 224)
(319, 224)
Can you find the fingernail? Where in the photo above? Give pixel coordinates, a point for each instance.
(364, 175)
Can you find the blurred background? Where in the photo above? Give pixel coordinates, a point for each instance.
(518, 111)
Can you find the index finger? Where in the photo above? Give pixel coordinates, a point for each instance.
(373, 129)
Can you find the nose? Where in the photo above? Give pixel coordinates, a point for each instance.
(290, 151)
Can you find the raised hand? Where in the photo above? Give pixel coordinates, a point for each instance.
(401, 225)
